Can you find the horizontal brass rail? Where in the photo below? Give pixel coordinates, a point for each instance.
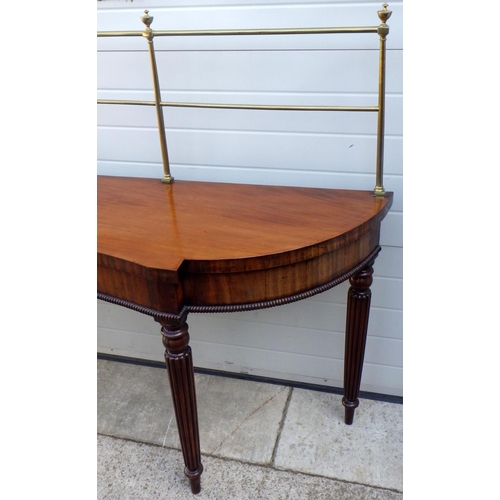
(272, 31)
(382, 30)
(271, 107)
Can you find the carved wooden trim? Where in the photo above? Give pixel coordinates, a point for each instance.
(171, 318)
(180, 370)
(180, 317)
(358, 310)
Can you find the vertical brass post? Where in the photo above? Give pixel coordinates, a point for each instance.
(383, 31)
(148, 34)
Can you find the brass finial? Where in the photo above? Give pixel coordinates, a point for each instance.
(147, 19)
(384, 14)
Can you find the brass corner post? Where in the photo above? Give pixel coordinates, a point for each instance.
(383, 31)
(149, 35)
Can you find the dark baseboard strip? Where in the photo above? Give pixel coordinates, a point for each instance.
(253, 378)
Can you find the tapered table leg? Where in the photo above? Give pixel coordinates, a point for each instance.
(358, 309)
(181, 377)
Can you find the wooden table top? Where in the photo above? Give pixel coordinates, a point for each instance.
(160, 225)
(203, 243)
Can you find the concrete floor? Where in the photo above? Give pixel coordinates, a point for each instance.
(258, 441)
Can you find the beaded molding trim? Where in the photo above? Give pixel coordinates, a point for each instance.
(182, 315)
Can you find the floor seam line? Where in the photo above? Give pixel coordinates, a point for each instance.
(280, 428)
(262, 465)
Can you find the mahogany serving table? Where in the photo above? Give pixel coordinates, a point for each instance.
(166, 250)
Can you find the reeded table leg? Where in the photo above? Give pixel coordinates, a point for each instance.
(181, 377)
(358, 309)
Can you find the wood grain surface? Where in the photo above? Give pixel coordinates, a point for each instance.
(214, 243)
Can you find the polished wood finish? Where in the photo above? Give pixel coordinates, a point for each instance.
(181, 377)
(165, 246)
(169, 249)
(358, 309)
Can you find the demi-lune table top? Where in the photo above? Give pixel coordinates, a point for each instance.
(203, 237)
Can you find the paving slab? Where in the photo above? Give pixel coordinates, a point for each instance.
(238, 419)
(134, 402)
(316, 440)
(128, 470)
(241, 420)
